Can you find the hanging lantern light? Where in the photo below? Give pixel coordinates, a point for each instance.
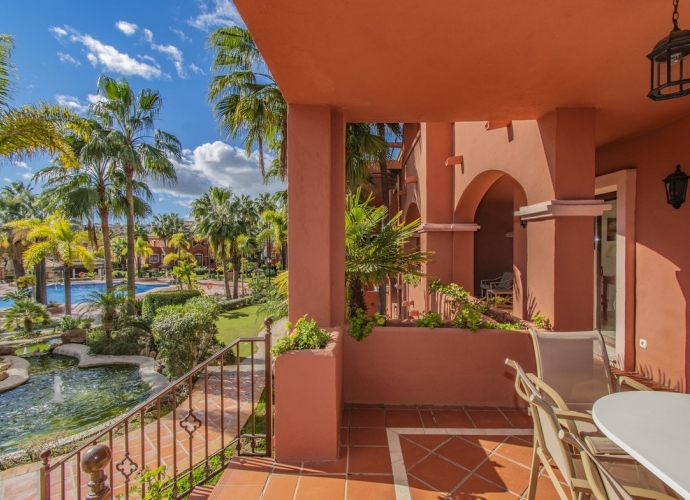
(676, 187)
(670, 72)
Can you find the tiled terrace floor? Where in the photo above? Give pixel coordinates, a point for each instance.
(403, 452)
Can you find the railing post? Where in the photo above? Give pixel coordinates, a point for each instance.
(268, 371)
(43, 475)
(93, 462)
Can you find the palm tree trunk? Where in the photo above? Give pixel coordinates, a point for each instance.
(18, 267)
(355, 296)
(139, 266)
(41, 290)
(107, 250)
(68, 290)
(131, 283)
(234, 275)
(224, 260)
(385, 201)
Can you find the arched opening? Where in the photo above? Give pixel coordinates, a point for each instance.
(498, 248)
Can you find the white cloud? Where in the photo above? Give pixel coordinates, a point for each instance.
(196, 69)
(72, 103)
(182, 35)
(57, 31)
(217, 164)
(175, 55)
(7, 179)
(66, 58)
(127, 28)
(21, 164)
(148, 35)
(27, 176)
(223, 13)
(111, 59)
(94, 98)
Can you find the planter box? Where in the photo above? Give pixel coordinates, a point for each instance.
(308, 403)
(440, 366)
(74, 336)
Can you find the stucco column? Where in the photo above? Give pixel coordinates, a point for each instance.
(316, 204)
(561, 249)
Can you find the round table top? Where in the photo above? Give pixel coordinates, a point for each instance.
(654, 428)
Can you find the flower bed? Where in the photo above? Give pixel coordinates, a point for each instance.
(397, 364)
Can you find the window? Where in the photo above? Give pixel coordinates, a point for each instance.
(153, 259)
(199, 259)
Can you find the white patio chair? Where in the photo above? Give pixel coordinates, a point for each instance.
(502, 283)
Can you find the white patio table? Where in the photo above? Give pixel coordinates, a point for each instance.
(654, 428)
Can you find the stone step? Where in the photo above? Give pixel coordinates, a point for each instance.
(201, 493)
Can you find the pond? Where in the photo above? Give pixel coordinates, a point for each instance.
(90, 397)
(81, 292)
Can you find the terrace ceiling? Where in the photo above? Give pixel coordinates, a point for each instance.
(462, 60)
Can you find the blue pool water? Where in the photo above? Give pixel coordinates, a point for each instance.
(81, 291)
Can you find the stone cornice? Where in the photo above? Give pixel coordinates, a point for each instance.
(431, 227)
(562, 208)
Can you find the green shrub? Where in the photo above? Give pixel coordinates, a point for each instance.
(119, 274)
(201, 271)
(68, 322)
(489, 325)
(542, 322)
(155, 300)
(429, 320)
(186, 334)
(361, 325)
(306, 335)
(126, 341)
(469, 318)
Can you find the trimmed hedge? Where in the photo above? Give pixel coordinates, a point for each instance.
(155, 300)
(232, 304)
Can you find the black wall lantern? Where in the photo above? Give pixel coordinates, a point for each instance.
(670, 72)
(676, 187)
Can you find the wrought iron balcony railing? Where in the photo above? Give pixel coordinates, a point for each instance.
(192, 428)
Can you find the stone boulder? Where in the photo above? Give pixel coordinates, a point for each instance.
(4, 365)
(4, 375)
(7, 350)
(74, 336)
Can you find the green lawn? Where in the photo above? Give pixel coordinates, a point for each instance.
(239, 323)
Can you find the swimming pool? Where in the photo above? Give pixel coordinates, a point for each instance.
(81, 291)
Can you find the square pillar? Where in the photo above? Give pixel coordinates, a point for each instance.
(316, 204)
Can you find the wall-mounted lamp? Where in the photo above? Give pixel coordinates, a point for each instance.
(670, 77)
(523, 223)
(676, 187)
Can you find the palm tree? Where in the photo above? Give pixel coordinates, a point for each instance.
(119, 246)
(107, 303)
(25, 312)
(245, 244)
(371, 259)
(246, 100)
(181, 241)
(55, 237)
(142, 249)
(96, 186)
(164, 226)
(276, 226)
(214, 221)
(31, 129)
(130, 123)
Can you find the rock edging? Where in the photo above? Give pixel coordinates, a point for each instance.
(18, 373)
(146, 365)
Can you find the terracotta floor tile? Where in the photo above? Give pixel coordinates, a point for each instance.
(462, 453)
(367, 417)
(280, 487)
(476, 487)
(430, 441)
(287, 468)
(236, 492)
(516, 449)
(403, 418)
(420, 491)
(320, 488)
(469, 408)
(344, 436)
(402, 407)
(439, 473)
(243, 478)
(505, 473)
(370, 487)
(519, 418)
(489, 419)
(489, 443)
(370, 460)
(333, 467)
(427, 419)
(412, 453)
(546, 490)
(368, 436)
(452, 419)
(345, 417)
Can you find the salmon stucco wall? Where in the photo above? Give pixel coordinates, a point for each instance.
(309, 402)
(441, 366)
(662, 268)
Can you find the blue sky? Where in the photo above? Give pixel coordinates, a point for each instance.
(63, 46)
